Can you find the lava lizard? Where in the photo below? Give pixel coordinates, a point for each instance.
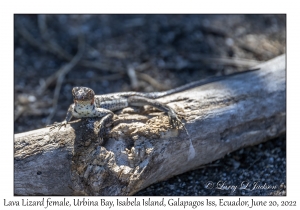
(87, 104)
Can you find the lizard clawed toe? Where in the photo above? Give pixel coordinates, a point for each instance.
(174, 120)
(57, 125)
(101, 130)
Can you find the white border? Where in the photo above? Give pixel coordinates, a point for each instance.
(8, 8)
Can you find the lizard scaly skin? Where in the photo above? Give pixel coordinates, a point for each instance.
(87, 104)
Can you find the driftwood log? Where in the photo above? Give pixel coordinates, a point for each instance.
(140, 147)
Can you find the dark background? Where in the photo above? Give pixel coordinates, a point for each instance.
(165, 51)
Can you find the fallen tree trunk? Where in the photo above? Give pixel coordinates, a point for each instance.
(142, 149)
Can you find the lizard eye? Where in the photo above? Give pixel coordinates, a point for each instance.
(74, 90)
(90, 92)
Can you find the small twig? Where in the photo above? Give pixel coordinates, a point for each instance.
(226, 61)
(144, 66)
(133, 78)
(58, 51)
(248, 48)
(60, 74)
(19, 112)
(97, 65)
(102, 78)
(65, 69)
(43, 26)
(52, 46)
(151, 81)
(29, 38)
(255, 161)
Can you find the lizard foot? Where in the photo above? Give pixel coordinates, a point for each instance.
(103, 124)
(174, 120)
(102, 130)
(57, 125)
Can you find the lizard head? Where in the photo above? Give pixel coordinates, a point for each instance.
(83, 95)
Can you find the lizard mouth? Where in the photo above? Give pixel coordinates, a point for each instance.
(81, 100)
(84, 102)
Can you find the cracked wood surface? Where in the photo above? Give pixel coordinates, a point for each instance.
(140, 147)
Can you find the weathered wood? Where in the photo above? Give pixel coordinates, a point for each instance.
(142, 149)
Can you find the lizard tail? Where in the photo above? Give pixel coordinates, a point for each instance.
(208, 80)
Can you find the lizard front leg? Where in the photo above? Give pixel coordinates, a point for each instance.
(141, 101)
(67, 119)
(103, 122)
(82, 112)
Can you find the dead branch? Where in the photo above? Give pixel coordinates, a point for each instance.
(239, 62)
(151, 81)
(133, 78)
(110, 77)
(54, 48)
(60, 76)
(141, 149)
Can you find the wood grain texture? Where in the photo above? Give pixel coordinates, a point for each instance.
(141, 148)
